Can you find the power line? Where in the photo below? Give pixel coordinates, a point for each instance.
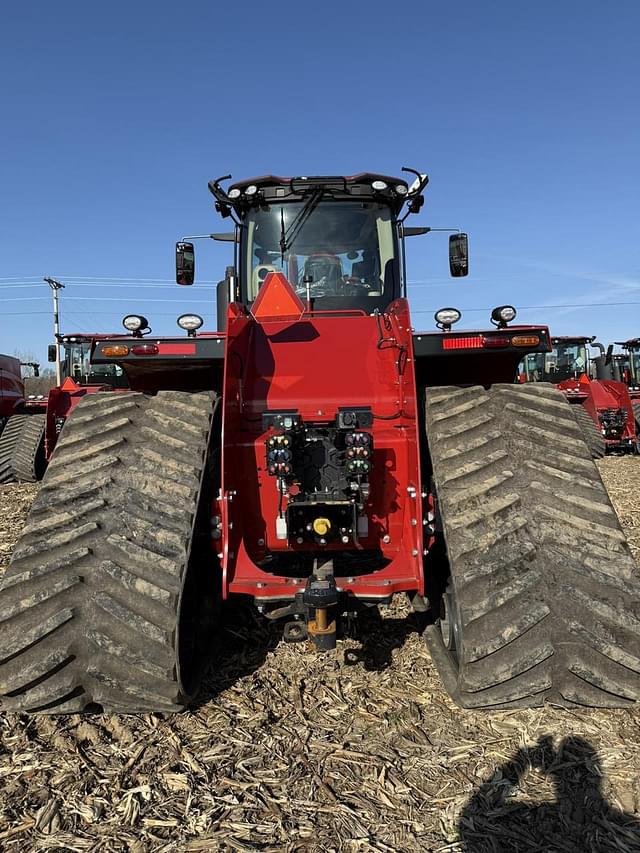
(74, 284)
(543, 307)
(65, 313)
(71, 278)
(102, 299)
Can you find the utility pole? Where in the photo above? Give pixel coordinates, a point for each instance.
(55, 287)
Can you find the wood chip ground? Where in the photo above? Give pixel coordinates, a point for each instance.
(291, 751)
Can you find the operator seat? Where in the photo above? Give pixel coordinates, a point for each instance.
(365, 271)
(260, 272)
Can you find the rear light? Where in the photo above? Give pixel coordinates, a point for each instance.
(114, 350)
(525, 340)
(496, 341)
(462, 343)
(145, 349)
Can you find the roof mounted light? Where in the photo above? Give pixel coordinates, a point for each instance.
(401, 189)
(252, 189)
(190, 323)
(503, 314)
(136, 324)
(379, 185)
(446, 317)
(234, 193)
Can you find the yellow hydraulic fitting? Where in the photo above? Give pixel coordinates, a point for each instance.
(321, 526)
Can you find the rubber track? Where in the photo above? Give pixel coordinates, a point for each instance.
(90, 601)
(547, 589)
(592, 436)
(22, 457)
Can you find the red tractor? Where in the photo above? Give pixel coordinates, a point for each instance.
(627, 370)
(11, 402)
(601, 406)
(32, 430)
(318, 455)
(21, 426)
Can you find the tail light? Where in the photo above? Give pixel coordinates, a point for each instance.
(496, 341)
(145, 349)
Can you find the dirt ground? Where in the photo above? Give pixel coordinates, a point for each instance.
(290, 751)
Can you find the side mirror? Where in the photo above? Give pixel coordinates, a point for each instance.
(51, 352)
(36, 370)
(459, 255)
(185, 263)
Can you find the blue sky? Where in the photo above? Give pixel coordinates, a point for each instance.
(115, 115)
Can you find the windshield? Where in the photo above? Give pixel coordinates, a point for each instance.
(77, 366)
(565, 361)
(347, 251)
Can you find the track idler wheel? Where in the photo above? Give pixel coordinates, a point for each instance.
(449, 620)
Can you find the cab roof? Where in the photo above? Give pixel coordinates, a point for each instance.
(573, 339)
(270, 188)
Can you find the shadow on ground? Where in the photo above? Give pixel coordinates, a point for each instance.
(379, 637)
(246, 638)
(578, 820)
(243, 643)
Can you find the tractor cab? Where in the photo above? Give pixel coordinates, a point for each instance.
(76, 364)
(629, 363)
(337, 240)
(568, 360)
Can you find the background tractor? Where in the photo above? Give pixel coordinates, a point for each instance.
(21, 425)
(601, 405)
(628, 366)
(318, 455)
(32, 430)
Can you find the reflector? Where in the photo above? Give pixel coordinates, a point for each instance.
(145, 349)
(114, 350)
(496, 341)
(277, 300)
(525, 340)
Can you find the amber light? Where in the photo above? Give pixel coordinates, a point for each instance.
(145, 349)
(115, 350)
(525, 340)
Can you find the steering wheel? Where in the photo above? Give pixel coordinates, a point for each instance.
(350, 281)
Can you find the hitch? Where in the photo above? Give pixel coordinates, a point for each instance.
(321, 595)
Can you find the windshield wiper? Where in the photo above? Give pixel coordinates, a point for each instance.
(288, 236)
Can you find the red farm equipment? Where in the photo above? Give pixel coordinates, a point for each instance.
(11, 388)
(626, 368)
(319, 455)
(21, 426)
(32, 431)
(602, 406)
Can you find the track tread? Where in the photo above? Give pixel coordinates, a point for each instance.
(89, 606)
(22, 455)
(590, 432)
(547, 590)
